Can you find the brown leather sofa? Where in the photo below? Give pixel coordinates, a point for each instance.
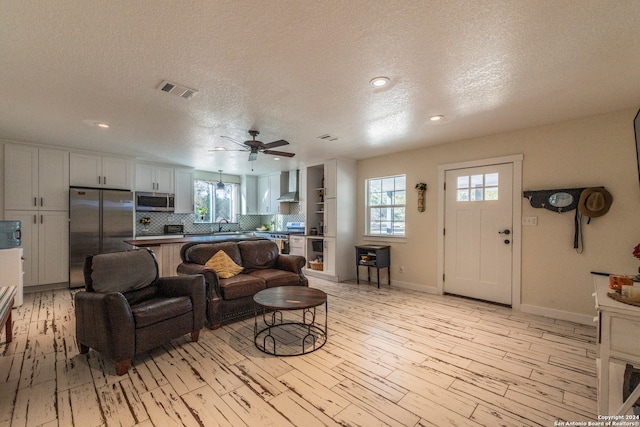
(127, 309)
(232, 298)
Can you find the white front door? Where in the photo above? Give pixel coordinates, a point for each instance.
(479, 232)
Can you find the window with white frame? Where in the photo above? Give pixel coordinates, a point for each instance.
(476, 188)
(386, 203)
(213, 205)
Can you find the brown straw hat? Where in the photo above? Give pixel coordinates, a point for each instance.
(594, 202)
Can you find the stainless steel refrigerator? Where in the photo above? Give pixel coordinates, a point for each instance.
(100, 221)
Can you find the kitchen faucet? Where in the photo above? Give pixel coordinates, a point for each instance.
(220, 224)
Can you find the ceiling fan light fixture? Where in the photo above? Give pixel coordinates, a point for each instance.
(378, 82)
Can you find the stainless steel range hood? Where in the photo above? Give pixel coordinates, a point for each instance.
(292, 194)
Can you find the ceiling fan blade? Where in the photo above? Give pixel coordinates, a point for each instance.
(233, 140)
(253, 156)
(274, 144)
(278, 153)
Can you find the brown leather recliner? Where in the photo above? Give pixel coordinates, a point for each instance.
(127, 309)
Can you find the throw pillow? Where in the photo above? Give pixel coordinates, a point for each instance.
(223, 265)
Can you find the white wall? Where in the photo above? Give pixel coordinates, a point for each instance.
(592, 151)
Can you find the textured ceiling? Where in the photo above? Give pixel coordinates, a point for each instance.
(300, 69)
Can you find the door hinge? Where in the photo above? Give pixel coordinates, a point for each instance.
(443, 277)
(445, 185)
(444, 231)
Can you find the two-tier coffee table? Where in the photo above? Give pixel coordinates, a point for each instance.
(292, 334)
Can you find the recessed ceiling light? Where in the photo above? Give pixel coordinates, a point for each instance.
(96, 123)
(219, 149)
(379, 81)
(276, 158)
(436, 118)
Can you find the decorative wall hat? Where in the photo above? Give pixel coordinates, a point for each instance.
(594, 202)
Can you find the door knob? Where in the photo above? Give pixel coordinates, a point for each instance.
(507, 232)
(507, 241)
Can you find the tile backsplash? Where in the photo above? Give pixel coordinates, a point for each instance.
(244, 222)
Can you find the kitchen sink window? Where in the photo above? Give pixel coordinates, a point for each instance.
(212, 205)
(386, 204)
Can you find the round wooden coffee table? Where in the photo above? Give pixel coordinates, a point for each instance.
(296, 333)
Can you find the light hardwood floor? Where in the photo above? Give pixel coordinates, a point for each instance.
(393, 358)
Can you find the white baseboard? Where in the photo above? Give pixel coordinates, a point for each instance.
(414, 287)
(583, 319)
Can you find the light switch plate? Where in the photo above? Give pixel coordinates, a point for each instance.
(529, 220)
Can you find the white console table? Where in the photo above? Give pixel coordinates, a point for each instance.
(618, 338)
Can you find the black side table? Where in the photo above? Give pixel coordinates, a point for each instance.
(376, 256)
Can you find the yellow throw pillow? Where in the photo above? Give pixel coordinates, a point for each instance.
(223, 265)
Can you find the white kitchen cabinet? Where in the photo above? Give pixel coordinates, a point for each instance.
(249, 195)
(117, 172)
(269, 190)
(36, 178)
(92, 170)
(45, 241)
(184, 190)
(154, 178)
(264, 203)
(335, 207)
(302, 189)
(53, 247)
(329, 256)
(275, 188)
(330, 178)
(330, 215)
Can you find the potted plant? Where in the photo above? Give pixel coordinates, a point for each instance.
(145, 221)
(202, 211)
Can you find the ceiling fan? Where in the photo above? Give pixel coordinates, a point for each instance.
(254, 147)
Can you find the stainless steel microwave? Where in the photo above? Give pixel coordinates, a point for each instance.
(155, 202)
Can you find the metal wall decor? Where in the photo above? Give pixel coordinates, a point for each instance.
(559, 200)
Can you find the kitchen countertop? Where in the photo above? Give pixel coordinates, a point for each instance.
(157, 240)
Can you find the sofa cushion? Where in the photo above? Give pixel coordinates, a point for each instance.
(258, 254)
(137, 296)
(242, 285)
(201, 253)
(274, 278)
(121, 271)
(159, 309)
(223, 265)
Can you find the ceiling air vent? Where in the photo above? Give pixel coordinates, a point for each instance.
(327, 137)
(176, 89)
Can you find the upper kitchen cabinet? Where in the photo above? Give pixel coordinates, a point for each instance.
(154, 178)
(249, 195)
(330, 178)
(270, 188)
(184, 190)
(90, 170)
(36, 178)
